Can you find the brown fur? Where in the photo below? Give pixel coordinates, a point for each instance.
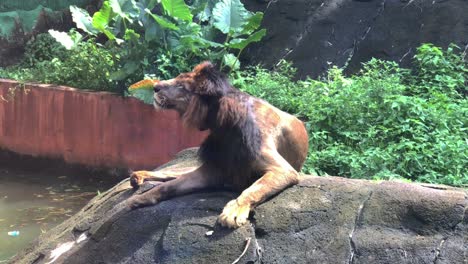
(253, 147)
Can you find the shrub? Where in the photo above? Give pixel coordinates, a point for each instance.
(439, 71)
(87, 65)
(143, 38)
(383, 123)
(40, 48)
(149, 34)
(275, 86)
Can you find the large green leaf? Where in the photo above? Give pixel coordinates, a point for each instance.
(101, 20)
(253, 23)
(115, 6)
(231, 61)
(152, 30)
(177, 9)
(229, 16)
(127, 9)
(145, 95)
(130, 8)
(150, 4)
(240, 43)
(82, 20)
(202, 9)
(130, 34)
(162, 21)
(196, 42)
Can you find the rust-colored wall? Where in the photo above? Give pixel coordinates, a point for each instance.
(90, 128)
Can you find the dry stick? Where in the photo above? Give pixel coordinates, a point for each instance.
(243, 252)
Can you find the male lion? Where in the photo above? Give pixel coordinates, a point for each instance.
(252, 147)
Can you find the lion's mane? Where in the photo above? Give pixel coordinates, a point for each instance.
(235, 139)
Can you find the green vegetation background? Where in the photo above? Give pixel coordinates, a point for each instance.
(386, 122)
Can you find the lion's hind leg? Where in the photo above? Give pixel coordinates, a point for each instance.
(190, 182)
(138, 177)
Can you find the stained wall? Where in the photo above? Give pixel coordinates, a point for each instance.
(90, 128)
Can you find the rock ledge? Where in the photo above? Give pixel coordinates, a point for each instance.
(321, 220)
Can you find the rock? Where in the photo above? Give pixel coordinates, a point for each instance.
(315, 34)
(321, 220)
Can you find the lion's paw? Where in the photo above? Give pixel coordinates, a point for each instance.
(141, 200)
(234, 215)
(138, 177)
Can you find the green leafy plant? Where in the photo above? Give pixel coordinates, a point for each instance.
(140, 39)
(40, 48)
(384, 123)
(439, 71)
(149, 32)
(86, 65)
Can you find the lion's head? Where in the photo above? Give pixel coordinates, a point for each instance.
(191, 93)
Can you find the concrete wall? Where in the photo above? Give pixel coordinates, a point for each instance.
(90, 128)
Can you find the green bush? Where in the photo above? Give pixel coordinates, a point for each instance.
(87, 65)
(438, 71)
(383, 123)
(143, 39)
(168, 36)
(275, 86)
(40, 48)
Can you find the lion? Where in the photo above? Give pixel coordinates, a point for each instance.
(253, 147)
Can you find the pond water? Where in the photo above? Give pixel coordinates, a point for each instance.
(33, 201)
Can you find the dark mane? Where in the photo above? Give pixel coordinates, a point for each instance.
(196, 113)
(235, 140)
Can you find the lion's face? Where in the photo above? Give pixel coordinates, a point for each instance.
(174, 94)
(192, 93)
(177, 93)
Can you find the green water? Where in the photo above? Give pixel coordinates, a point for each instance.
(33, 202)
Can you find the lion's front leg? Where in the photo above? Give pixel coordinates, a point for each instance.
(236, 212)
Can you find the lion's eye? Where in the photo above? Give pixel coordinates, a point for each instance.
(181, 87)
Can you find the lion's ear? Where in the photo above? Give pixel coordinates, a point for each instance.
(209, 80)
(204, 66)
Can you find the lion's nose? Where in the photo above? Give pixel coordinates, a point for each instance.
(157, 88)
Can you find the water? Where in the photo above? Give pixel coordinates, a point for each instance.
(33, 201)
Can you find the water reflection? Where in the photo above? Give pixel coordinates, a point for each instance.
(33, 202)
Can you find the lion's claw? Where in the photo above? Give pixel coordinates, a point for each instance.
(234, 215)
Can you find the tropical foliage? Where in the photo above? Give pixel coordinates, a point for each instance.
(167, 36)
(87, 66)
(385, 122)
(128, 40)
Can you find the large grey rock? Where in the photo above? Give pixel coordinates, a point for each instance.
(316, 34)
(321, 220)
